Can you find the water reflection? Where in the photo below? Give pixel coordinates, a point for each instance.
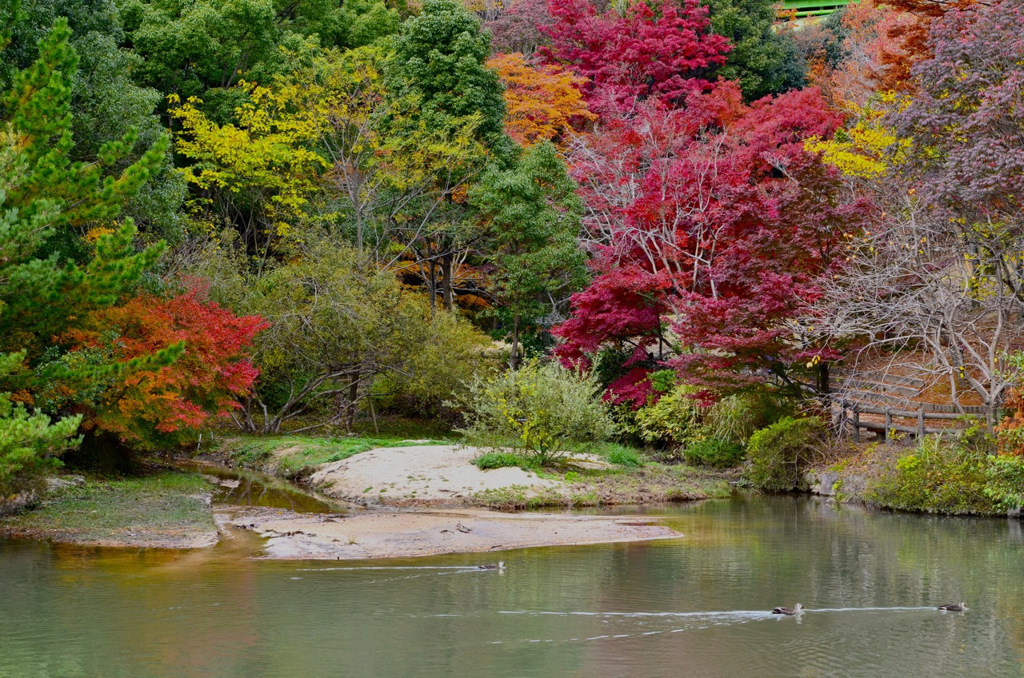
(697, 606)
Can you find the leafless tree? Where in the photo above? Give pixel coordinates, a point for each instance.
(949, 292)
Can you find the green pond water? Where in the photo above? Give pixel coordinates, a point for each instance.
(695, 606)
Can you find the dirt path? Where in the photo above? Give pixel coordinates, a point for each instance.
(423, 533)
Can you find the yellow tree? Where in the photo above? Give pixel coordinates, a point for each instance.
(258, 173)
(544, 102)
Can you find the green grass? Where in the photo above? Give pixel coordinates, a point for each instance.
(160, 509)
(651, 483)
(295, 455)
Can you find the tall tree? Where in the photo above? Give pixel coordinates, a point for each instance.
(534, 217)
(440, 57)
(106, 104)
(544, 102)
(203, 48)
(46, 198)
(712, 226)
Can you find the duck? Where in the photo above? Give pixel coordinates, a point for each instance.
(953, 607)
(500, 565)
(797, 609)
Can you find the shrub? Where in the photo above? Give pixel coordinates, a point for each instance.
(940, 477)
(736, 417)
(542, 410)
(670, 421)
(714, 452)
(1005, 486)
(779, 452)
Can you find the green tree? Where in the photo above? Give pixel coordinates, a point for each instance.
(440, 57)
(106, 104)
(49, 275)
(202, 48)
(762, 60)
(534, 216)
(337, 326)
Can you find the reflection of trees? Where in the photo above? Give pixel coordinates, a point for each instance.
(142, 613)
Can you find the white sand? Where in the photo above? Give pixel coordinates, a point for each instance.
(421, 533)
(428, 474)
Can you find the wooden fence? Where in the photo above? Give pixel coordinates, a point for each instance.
(923, 414)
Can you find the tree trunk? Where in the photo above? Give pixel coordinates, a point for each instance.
(514, 358)
(447, 288)
(353, 394)
(433, 288)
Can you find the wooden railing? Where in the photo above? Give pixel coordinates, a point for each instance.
(923, 414)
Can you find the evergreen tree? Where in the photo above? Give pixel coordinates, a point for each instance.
(762, 60)
(440, 58)
(49, 275)
(534, 215)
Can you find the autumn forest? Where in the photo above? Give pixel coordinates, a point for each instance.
(688, 226)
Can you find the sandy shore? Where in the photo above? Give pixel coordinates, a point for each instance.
(422, 533)
(435, 475)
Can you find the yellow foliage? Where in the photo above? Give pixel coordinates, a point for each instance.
(868, 148)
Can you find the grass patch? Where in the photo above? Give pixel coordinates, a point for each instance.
(295, 455)
(625, 456)
(652, 483)
(492, 460)
(160, 509)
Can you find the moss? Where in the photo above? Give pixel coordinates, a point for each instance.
(159, 509)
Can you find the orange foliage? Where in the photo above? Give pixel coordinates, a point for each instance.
(1010, 428)
(544, 102)
(161, 405)
(908, 41)
(870, 55)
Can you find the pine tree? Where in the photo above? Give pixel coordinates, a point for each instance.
(50, 276)
(534, 215)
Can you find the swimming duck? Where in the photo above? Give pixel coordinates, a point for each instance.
(797, 609)
(492, 566)
(953, 607)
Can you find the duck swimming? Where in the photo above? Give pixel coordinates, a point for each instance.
(491, 566)
(953, 607)
(797, 609)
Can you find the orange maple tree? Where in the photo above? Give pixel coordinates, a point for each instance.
(544, 102)
(160, 405)
(909, 40)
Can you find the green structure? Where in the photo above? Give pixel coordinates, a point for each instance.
(809, 8)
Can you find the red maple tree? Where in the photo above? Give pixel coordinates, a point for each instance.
(713, 226)
(653, 49)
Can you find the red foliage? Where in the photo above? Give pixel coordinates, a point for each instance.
(655, 49)
(716, 223)
(164, 404)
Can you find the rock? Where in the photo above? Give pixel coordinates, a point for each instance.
(18, 502)
(55, 483)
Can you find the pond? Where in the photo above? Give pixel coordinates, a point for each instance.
(696, 606)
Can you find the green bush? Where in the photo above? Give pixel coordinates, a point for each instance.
(623, 456)
(954, 477)
(1005, 486)
(779, 452)
(714, 452)
(736, 417)
(544, 411)
(673, 420)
